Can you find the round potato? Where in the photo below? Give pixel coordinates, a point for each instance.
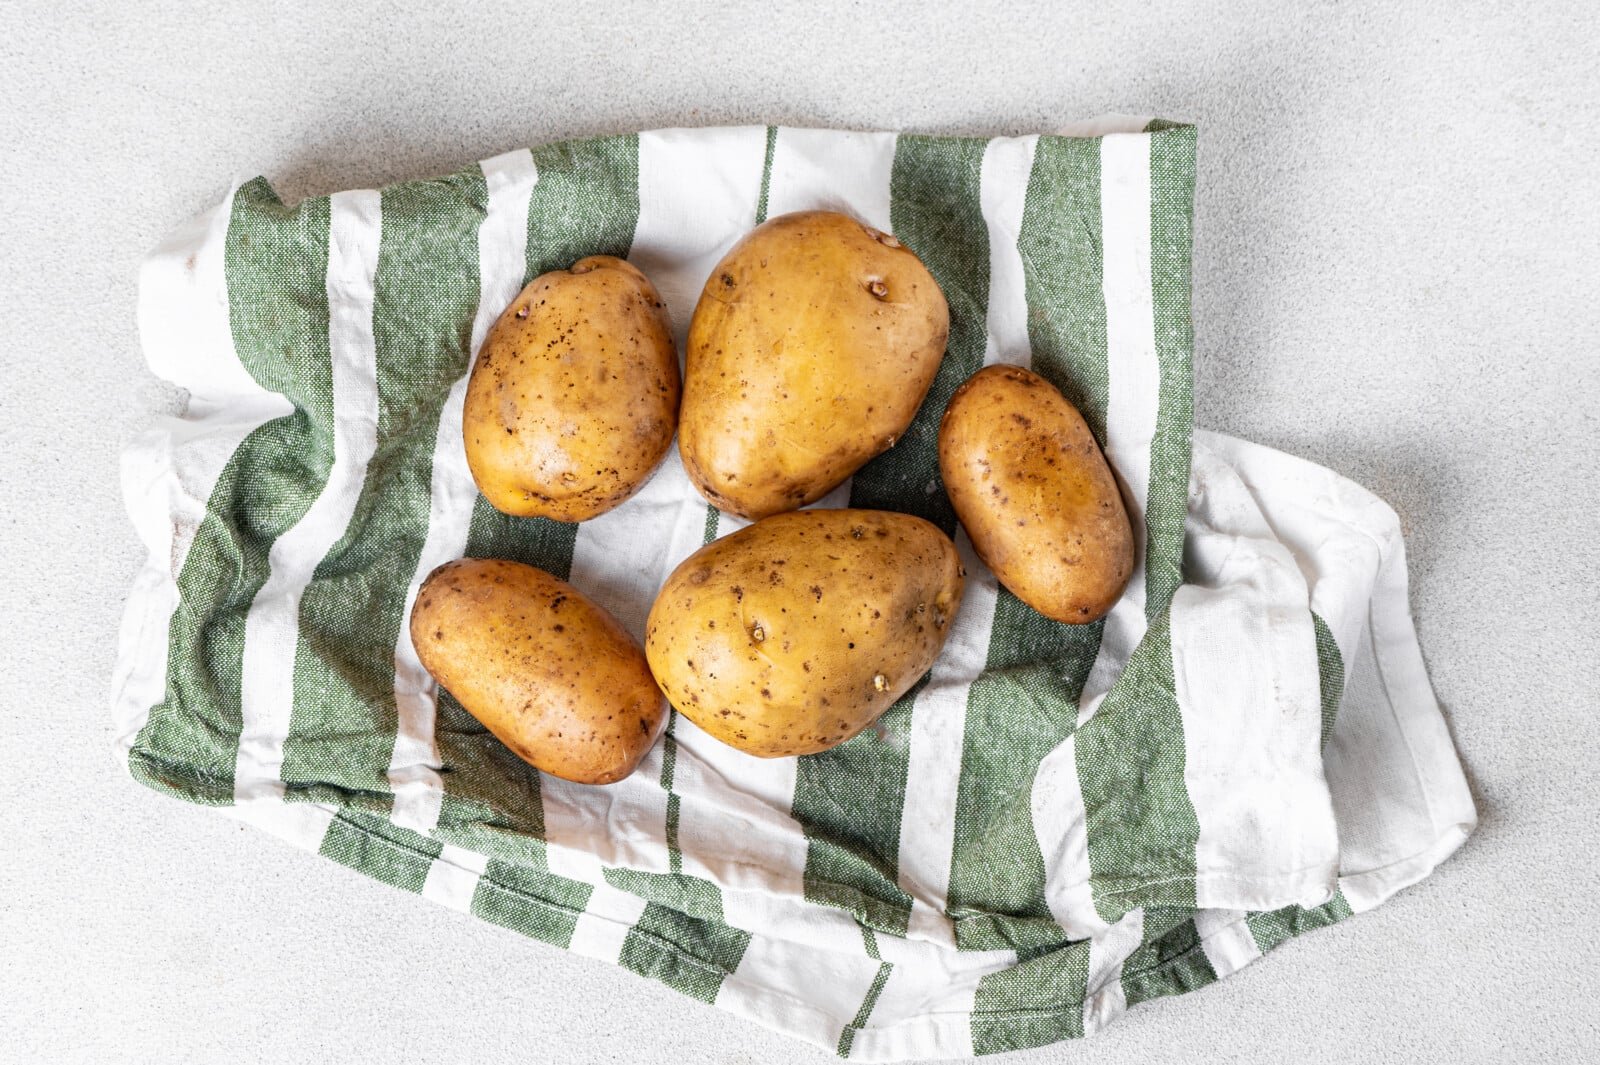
(552, 675)
(574, 398)
(1035, 494)
(814, 342)
(794, 634)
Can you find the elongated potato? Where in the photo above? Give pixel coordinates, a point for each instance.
(552, 675)
(814, 342)
(574, 398)
(1035, 494)
(794, 634)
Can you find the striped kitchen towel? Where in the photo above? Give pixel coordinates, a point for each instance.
(1056, 823)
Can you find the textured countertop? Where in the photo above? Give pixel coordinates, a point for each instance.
(1397, 251)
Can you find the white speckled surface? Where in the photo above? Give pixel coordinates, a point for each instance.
(1397, 251)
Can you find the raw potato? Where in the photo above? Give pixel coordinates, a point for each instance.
(794, 634)
(812, 346)
(552, 675)
(574, 398)
(1035, 494)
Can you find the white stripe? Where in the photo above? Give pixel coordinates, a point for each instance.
(938, 732)
(735, 827)
(1245, 673)
(1060, 822)
(1133, 400)
(603, 927)
(829, 170)
(453, 878)
(183, 313)
(1104, 1000)
(1003, 195)
(938, 720)
(925, 1007)
(169, 472)
(271, 626)
(1134, 395)
(809, 994)
(1226, 940)
(300, 824)
(697, 195)
(502, 261)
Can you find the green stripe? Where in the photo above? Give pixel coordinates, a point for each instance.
(1167, 502)
(1330, 675)
(1035, 1002)
(1063, 271)
(766, 175)
(1141, 825)
(848, 1036)
(1023, 706)
(935, 211)
(1274, 927)
(371, 845)
(585, 201)
(689, 955)
(850, 798)
(1026, 702)
(1169, 961)
(343, 727)
(712, 515)
(276, 264)
(530, 901)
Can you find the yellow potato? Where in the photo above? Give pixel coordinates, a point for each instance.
(794, 634)
(574, 398)
(812, 346)
(552, 675)
(1035, 494)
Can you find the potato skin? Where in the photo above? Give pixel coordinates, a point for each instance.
(551, 674)
(1035, 494)
(814, 342)
(574, 397)
(794, 634)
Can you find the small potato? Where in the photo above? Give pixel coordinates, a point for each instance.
(574, 398)
(1035, 494)
(552, 675)
(794, 634)
(813, 344)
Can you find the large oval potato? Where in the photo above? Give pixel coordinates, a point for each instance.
(794, 634)
(814, 342)
(574, 398)
(552, 675)
(1035, 494)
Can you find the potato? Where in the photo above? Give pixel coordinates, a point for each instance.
(795, 633)
(574, 398)
(552, 675)
(1035, 494)
(814, 342)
